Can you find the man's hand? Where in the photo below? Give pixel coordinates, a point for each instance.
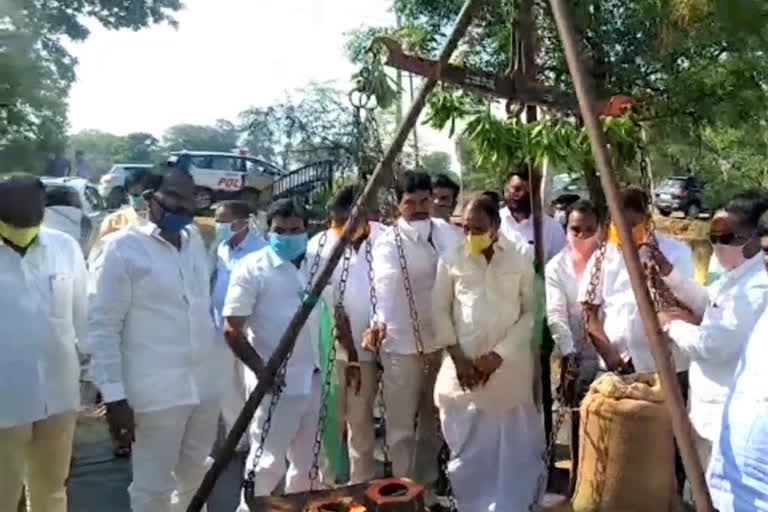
(373, 337)
(651, 254)
(353, 377)
(613, 360)
(466, 373)
(665, 317)
(487, 364)
(121, 423)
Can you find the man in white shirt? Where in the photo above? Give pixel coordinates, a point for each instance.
(564, 312)
(64, 212)
(154, 352)
(356, 368)
(516, 220)
(724, 314)
(265, 291)
(43, 305)
(411, 356)
(483, 302)
(736, 474)
(615, 325)
(235, 239)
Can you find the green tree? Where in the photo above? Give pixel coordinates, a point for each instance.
(36, 70)
(101, 149)
(223, 136)
(698, 68)
(437, 162)
(138, 147)
(321, 125)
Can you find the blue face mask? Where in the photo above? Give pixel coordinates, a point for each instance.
(223, 232)
(174, 222)
(288, 247)
(137, 202)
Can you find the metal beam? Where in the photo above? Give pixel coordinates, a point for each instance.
(658, 341)
(516, 87)
(287, 341)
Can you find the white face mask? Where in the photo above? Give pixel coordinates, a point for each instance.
(730, 256)
(423, 227)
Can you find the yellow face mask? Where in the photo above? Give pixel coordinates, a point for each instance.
(478, 243)
(20, 237)
(359, 232)
(639, 234)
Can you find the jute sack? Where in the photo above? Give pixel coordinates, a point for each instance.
(627, 453)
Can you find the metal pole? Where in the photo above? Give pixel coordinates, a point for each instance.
(658, 342)
(267, 376)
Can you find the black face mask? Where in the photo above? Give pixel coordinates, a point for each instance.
(522, 205)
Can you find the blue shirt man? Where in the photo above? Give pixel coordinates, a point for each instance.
(235, 239)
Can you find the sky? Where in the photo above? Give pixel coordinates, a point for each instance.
(225, 56)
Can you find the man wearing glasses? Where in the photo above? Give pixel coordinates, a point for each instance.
(723, 314)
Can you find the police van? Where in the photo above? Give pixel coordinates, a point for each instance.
(220, 176)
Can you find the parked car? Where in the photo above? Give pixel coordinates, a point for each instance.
(86, 198)
(112, 184)
(565, 185)
(679, 194)
(221, 176)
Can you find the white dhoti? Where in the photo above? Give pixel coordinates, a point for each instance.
(291, 437)
(169, 455)
(233, 395)
(495, 459)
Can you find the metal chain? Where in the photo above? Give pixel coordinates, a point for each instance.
(442, 457)
(570, 376)
(409, 294)
(379, 366)
(322, 416)
(277, 387)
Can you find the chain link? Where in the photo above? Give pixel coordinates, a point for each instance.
(278, 386)
(379, 366)
(314, 471)
(569, 379)
(442, 456)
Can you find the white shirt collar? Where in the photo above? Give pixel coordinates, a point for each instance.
(745, 267)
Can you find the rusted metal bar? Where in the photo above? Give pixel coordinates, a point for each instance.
(658, 342)
(515, 87)
(287, 341)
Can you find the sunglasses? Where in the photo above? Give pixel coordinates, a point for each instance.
(727, 239)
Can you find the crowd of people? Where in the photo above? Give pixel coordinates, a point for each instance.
(435, 330)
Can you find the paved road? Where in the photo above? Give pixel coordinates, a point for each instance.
(99, 481)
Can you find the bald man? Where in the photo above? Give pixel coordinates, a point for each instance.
(154, 355)
(42, 316)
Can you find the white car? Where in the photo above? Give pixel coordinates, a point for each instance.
(91, 205)
(112, 184)
(221, 176)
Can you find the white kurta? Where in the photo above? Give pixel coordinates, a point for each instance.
(553, 234)
(735, 303)
(738, 472)
(621, 317)
(494, 429)
(268, 290)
